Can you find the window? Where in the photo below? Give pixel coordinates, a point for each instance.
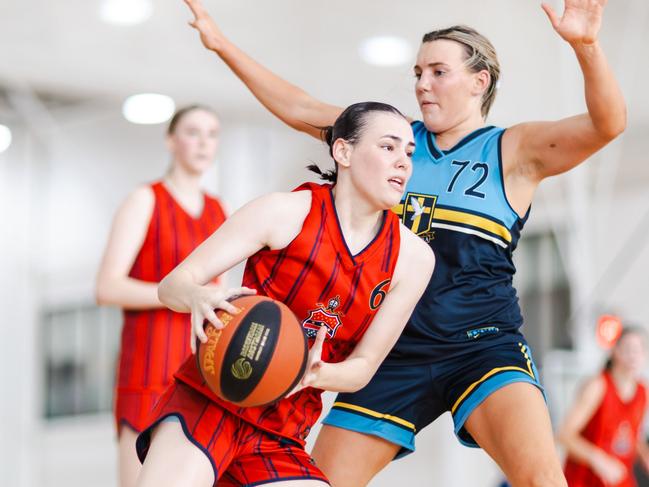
(544, 293)
(79, 346)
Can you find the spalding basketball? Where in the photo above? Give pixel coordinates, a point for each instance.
(258, 357)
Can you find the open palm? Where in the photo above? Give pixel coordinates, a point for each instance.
(580, 21)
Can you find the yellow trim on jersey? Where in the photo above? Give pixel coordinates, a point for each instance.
(486, 376)
(473, 220)
(363, 410)
(471, 231)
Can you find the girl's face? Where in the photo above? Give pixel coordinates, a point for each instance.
(447, 92)
(194, 141)
(629, 353)
(380, 161)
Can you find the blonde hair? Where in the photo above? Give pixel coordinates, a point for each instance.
(480, 54)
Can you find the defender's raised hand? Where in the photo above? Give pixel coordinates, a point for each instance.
(211, 35)
(580, 22)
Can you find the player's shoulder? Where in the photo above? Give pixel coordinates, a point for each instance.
(594, 388)
(140, 199)
(280, 209)
(414, 251)
(143, 194)
(413, 243)
(294, 202)
(280, 216)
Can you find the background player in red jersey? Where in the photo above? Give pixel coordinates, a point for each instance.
(157, 226)
(602, 432)
(319, 244)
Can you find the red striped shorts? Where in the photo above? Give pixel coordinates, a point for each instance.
(240, 453)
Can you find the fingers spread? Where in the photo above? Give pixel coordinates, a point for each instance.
(210, 316)
(229, 307)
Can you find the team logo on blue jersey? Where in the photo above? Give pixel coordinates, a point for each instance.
(416, 212)
(323, 316)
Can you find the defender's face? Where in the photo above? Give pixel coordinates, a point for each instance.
(629, 353)
(445, 88)
(194, 142)
(381, 160)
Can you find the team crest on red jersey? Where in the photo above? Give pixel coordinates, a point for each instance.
(323, 316)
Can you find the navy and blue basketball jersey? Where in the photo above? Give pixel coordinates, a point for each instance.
(456, 202)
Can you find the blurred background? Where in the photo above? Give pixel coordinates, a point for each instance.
(68, 157)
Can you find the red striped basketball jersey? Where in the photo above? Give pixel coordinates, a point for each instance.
(324, 285)
(613, 428)
(155, 342)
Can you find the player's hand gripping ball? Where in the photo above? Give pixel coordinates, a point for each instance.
(258, 357)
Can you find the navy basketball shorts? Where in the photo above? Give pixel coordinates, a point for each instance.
(402, 399)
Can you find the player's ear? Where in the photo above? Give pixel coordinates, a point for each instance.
(341, 151)
(481, 81)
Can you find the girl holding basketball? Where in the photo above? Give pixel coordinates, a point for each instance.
(602, 433)
(469, 199)
(334, 248)
(157, 226)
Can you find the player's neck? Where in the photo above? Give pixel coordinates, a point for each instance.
(625, 382)
(183, 183)
(359, 220)
(449, 138)
(185, 188)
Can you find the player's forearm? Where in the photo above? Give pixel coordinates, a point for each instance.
(127, 293)
(604, 99)
(286, 101)
(347, 376)
(580, 449)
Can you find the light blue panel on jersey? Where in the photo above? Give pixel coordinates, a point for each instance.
(460, 189)
(456, 202)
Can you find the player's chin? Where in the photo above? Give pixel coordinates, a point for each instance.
(434, 122)
(200, 165)
(391, 199)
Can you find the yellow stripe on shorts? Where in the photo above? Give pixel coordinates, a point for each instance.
(369, 412)
(484, 378)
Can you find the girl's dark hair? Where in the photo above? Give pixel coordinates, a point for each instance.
(349, 126)
(181, 112)
(627, 330)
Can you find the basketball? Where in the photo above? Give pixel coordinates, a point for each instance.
(258, 357)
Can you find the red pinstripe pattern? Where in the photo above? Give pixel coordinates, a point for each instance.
(155, 343)
(240, 454)
(315, 260)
